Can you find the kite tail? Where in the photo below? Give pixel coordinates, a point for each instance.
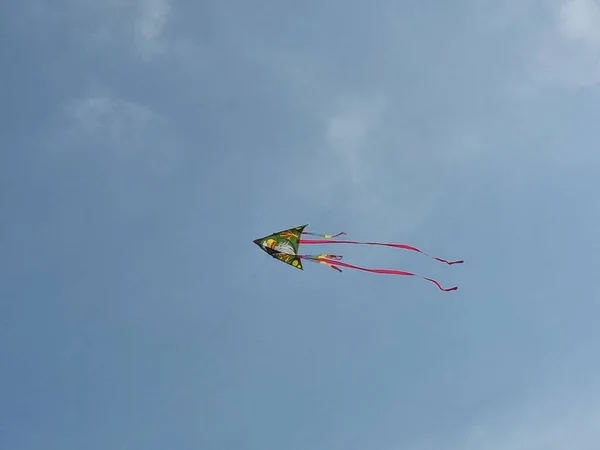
(333, 264)
(401, 246)
(325, 236)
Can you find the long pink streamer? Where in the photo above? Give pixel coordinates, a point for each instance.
(384, 244)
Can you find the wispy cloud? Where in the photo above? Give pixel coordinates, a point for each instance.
(363, 169)
(366, 136)
(131, 25)
(138, 24)
(536, 430)
(149, 24)
(122, 130)
(546, 426)
(579, 20)
(558, 414)
(568, 53)
(348, 134)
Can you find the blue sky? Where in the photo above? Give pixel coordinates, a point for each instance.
(146, 143)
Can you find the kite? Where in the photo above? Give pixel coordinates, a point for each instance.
(284, 245)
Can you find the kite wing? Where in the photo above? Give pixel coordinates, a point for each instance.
(283, 245)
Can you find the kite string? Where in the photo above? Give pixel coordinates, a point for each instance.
(333, 264)
(401, 246)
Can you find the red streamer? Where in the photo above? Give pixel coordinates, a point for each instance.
(335, 263)
(401, 246)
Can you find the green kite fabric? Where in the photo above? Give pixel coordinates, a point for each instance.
(284, 246)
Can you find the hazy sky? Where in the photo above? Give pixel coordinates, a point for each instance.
(145, 143)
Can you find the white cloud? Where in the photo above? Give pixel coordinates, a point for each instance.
(536, 430)
(363, 158)
(560, 413)
(124, 131)
(348, 133)
(568, 54)
(579, 20)
(362, 170)
(558, 39)
(149, 26)
(115, 120)
(136, 25)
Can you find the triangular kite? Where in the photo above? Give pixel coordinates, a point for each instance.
(284, 246)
